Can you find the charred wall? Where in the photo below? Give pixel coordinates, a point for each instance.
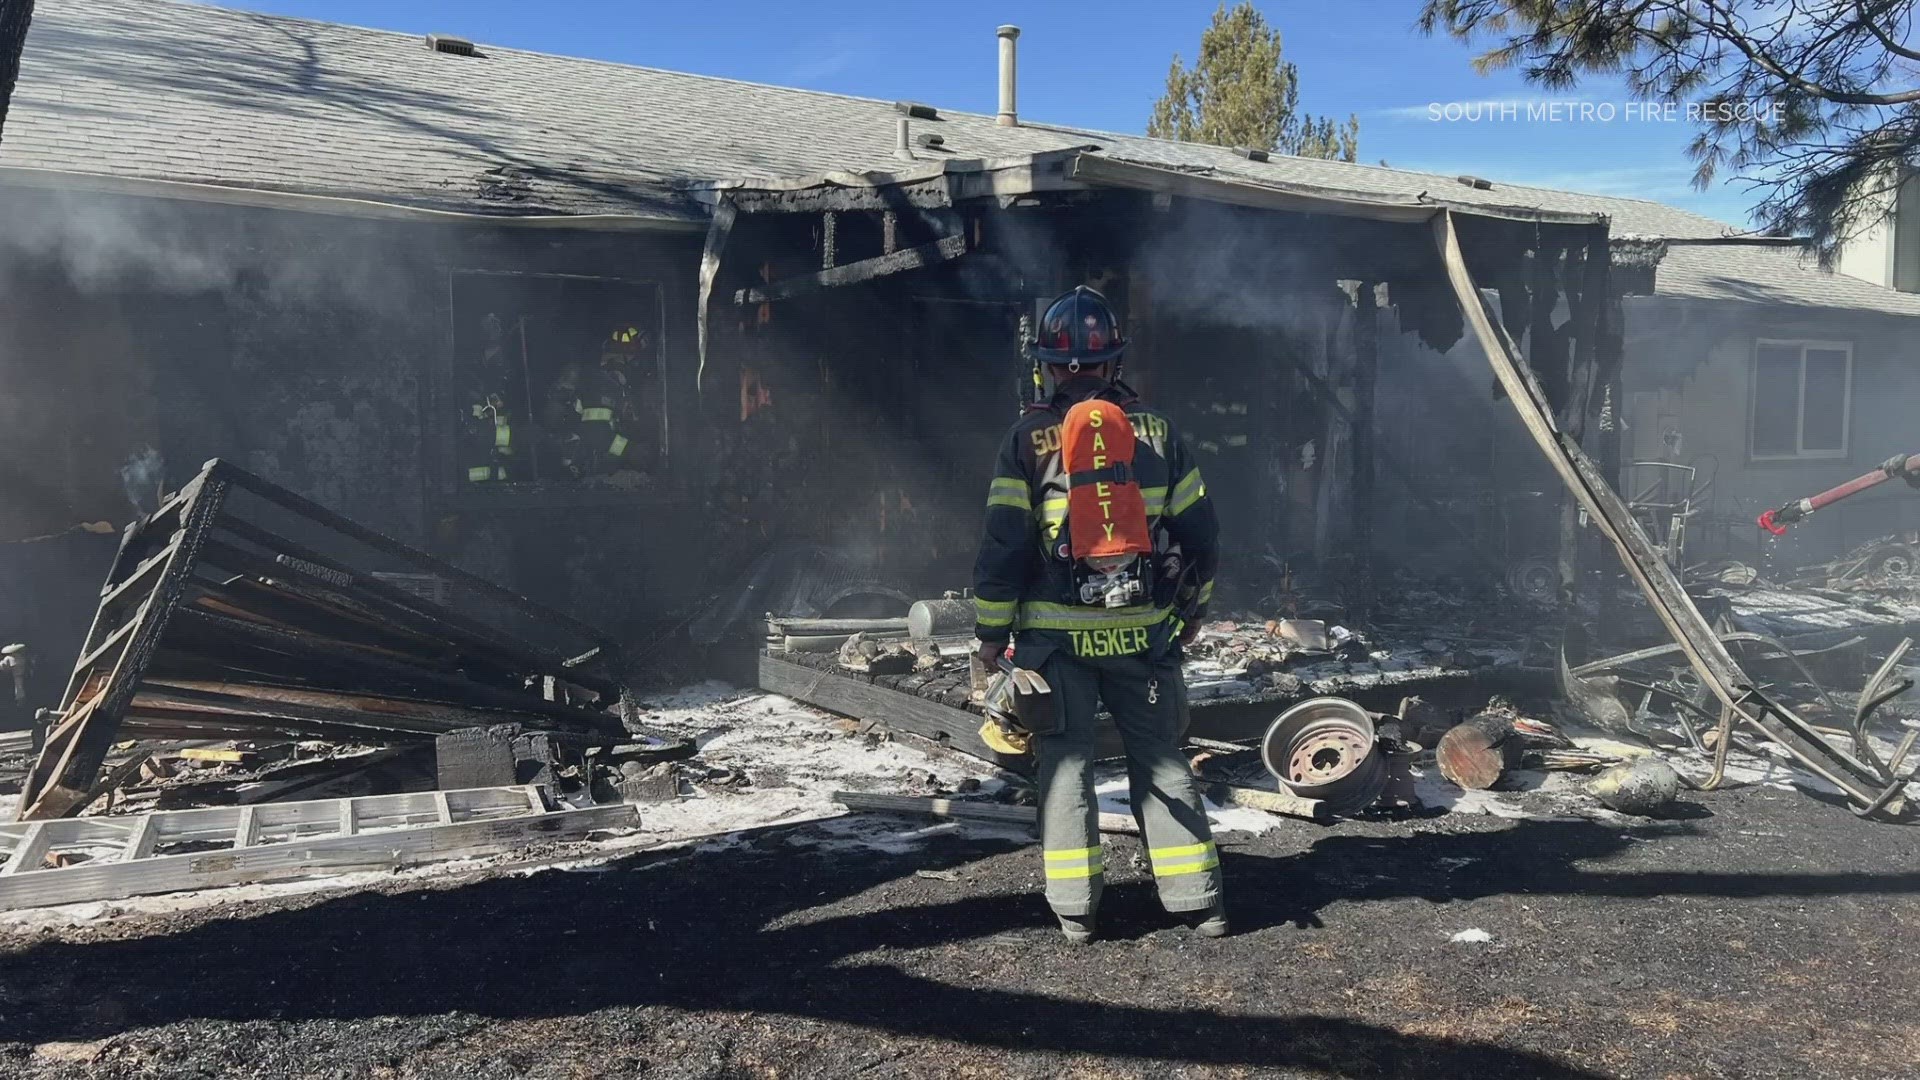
(320, 351)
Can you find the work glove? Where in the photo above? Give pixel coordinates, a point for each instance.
(1189, 632)
(990, 652)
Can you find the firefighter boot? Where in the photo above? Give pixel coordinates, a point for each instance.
(1210, 922)
(1078, 928)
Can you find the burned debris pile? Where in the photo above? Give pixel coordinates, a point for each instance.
(215, 622)
(251, 647)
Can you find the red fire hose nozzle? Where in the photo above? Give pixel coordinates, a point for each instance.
(1767, 523)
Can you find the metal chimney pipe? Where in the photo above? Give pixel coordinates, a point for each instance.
(1009, 114)
(903, 139)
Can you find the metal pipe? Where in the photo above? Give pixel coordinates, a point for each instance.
(1009, 113)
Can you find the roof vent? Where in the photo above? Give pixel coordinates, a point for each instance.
(916, 110)
(1251, 154)
(931, 141)
(1476, 183)
(447, 43)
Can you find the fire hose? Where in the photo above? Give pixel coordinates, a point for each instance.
(1900, 467)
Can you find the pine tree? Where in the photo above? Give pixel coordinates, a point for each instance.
(1242, 92)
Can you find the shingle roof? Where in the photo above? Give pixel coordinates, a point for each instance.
(1771, 274)
(162, 90)
(157, 89)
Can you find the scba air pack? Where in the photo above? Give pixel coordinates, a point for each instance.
(1107, 538)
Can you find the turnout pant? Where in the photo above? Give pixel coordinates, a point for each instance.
(1146, 698)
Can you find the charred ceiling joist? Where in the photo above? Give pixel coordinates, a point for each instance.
(942, 250)
(216, 622)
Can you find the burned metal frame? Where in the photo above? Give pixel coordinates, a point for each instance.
(1862, 785)
(294, 643)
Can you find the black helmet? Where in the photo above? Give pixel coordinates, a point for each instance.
(1079, 326)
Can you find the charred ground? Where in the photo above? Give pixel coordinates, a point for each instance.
(1753, 935)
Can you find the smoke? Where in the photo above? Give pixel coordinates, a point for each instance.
(143, 478)
(1230, 268)
(104, 244)
(101, 244)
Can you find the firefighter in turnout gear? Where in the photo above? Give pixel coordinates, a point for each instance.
(605, 435)
(1097, 565)
(486, 430)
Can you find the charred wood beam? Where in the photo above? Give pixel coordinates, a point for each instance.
(855, 697)
(930, 194)
(942, 250)
(1366, 371)
(390, 602)
(220, 634)
(208, 706)
(386, 545)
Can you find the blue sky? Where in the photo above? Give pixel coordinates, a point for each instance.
(1100, 65)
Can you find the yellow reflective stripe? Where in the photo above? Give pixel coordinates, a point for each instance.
(597, 412)
(478, 473)
(1236, 440)
(993, 612)
(1074, 862)
(618, 446)
(1052, 515)
(1206, 593)
(1187, 492)
(1035, 615)
(1156, 500)
(502, 434)
(1008, 491)
(1057, 872)
(1184, 859)
(1193, 868)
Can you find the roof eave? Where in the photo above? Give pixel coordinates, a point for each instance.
(1102, 170)
(365, 207)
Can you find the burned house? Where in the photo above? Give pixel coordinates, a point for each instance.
(349, 260)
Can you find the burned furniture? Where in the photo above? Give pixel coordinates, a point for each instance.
(241, 610)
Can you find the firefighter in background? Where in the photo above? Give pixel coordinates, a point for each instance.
(600, 407)
(1100, 624)
(487, 449)
(1221, 421)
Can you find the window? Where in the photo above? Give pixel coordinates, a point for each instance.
(556, 377)
(1801, 392)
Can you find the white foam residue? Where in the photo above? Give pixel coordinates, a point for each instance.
(1110, 790)
(1474, 936)
(793, 757)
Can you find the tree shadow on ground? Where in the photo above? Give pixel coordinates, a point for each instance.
(743, 930)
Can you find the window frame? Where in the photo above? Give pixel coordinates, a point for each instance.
(451, 375)
(1800, 452)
